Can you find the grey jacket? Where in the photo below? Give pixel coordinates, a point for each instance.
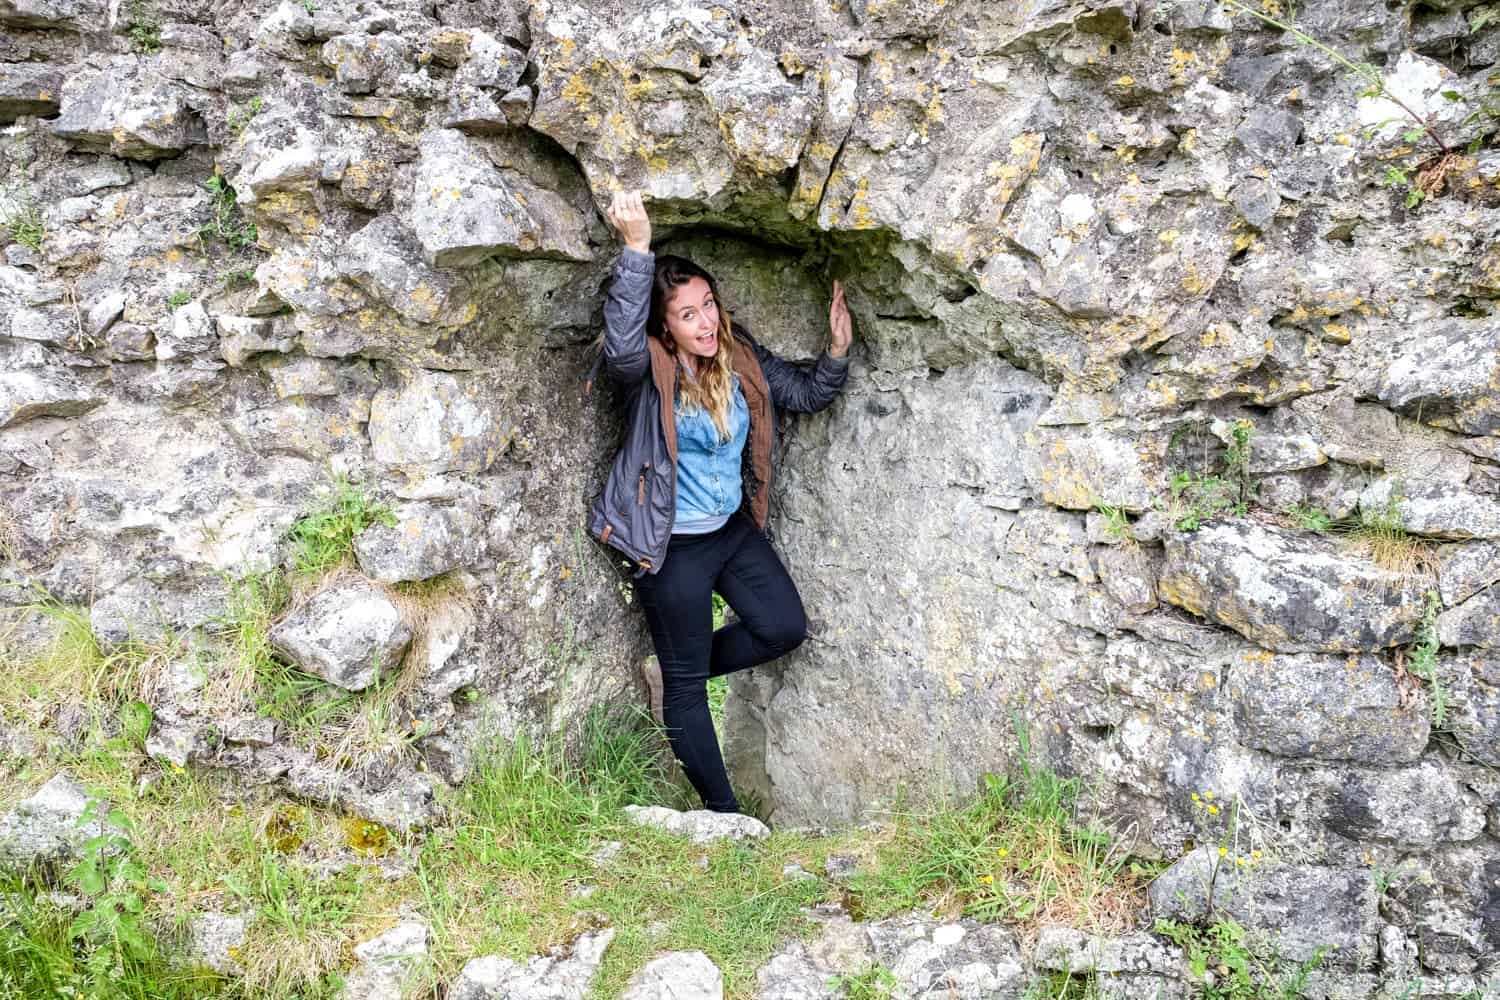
(634, 513)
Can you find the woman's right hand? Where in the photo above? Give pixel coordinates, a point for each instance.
(628, 215)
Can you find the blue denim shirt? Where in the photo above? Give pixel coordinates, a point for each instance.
(708, 470)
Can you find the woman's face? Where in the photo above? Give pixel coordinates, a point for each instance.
(693, 319)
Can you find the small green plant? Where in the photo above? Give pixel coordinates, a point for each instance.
(230, 277)
(875, 983)
(143, 29)
(1237, 461)
(310, 6)
(227, 224)
(1310, 518)
(1196, 499)
(241, 115)
(1116, 522)
(117, 886)
(1423, 661)
(1227, 967)
(178, 299)
(324, 537)
(22, 219)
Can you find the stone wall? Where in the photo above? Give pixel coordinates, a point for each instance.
(1096, 252)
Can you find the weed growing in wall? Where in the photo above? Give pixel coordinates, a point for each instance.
(1310, 518)
(1227, 966)
(143, 29)
(1380, 533)
(1423, 660)
(240, 115)
(875, 983)
(227, 224)
(22, 219)
(1116, 522)
(323, 538)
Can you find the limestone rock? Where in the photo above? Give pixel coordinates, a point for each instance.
(241, 337)
(69, 15)
(30, 393)
(29, 89)
(563, 975)
(701, 826)
(1082, 470)
(347, 634)
(1464, 570)
(1415, 806)
(1434, 509)
(677, 975)
(1475, 622)
(43, 828)
(127, 112)
(439, 422)
(426, 541)
(1447, 377)
(190, 332)
(384, 260)
(1327, 708)
(361, 63)
(1277, 589)
(215, 938)
(464, 208)
(385, 962)
(1471, 684)
(1064, 949)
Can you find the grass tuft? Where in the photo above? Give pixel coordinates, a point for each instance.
(1380, 534)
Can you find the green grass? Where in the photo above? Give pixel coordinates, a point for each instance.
(325, 537)
(1020, 852)
(1116, 522)
(143, 29)
(23, 221)
(179, 298)
(504, 872)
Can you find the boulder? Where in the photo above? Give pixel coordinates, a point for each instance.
(1413, 807)
(464, 208)
(384, 259)
(128, 112)
(26, 394)
(1475, 622)
(565, 974)
(438, 421)
(426, 541)
(29, 89)
(349, 634)
(385, 962)
(677, 975)
(1294, 909)
(44, 827)
(1447, 376)
(701, 826)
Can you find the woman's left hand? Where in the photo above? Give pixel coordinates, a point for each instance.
(841, 330)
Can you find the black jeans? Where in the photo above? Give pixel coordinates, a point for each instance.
(738, 562)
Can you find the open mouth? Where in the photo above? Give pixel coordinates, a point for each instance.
(708, 339)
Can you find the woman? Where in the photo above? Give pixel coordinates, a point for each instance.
(687, 497)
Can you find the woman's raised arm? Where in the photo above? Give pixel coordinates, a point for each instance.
(628, 302)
